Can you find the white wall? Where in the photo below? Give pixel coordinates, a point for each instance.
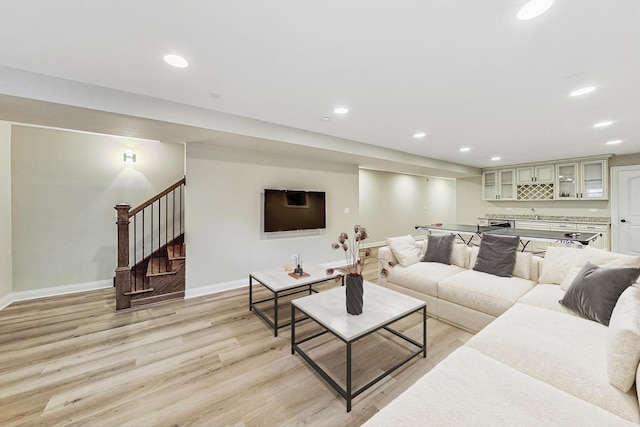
(393, 204)
(64, 186)
(224, 194)
(5, 210)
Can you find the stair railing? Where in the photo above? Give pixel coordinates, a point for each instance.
(156, 223)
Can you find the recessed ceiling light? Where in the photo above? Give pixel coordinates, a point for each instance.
(582, 91)
(176, 60)
(533, 9)
(419, 135)
(496, 158)
(341, 110)
(602, 124)
(614, 142)
(324, 119)
(464, 149)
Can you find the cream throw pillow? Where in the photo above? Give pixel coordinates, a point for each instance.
(569, 278)
(523, 265)
(608, 259)
(474, 256)
(623, 340)
(459, 255)
(601, 258)
(405, 249)
(557, 263)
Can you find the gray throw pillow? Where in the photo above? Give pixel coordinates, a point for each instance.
(595, 291)
(497, 255)
(439, 249)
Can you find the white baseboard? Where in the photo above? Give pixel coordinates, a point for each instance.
(5, 301)
(54, 291)
(215, 288)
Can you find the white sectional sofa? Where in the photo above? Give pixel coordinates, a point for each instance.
(536, 362)
(456, 293)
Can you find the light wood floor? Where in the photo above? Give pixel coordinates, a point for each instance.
(72, 360)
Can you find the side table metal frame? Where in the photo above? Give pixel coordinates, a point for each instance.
(349, 394)
(274, 324)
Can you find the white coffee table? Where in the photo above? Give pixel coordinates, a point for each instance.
(382, 307)
(281, 284)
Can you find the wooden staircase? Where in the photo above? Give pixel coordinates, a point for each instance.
(155, 249)
(160, 277)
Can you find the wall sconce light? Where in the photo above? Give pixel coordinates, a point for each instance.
(129, 157)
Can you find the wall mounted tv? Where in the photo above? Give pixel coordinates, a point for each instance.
(288, 210)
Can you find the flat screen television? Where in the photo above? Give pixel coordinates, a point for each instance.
(288, 210)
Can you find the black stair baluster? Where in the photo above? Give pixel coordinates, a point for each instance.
(135, 255)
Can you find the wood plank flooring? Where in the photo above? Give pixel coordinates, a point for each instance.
(72, 360)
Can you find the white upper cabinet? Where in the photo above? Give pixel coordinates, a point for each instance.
(499, 185)
(594, 180)
(574, 179)
(567, 186)
(582, 180)
(536, 174)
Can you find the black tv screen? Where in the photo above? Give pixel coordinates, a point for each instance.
(288, 210)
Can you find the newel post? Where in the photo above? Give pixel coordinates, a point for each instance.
(123, 271)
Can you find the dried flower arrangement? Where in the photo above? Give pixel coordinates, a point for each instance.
(357, 258)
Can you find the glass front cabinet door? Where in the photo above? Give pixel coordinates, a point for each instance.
(567, 179)
(507, 180)
(499, 185)
(593, 179)
(490, 185)
(584, 180)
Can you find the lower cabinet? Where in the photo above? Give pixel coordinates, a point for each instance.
(601, 242)
(534, 246)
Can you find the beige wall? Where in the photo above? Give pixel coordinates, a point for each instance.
(626, 160)
(393, 204)
(224, 196)
(5, 210)
(64, 186)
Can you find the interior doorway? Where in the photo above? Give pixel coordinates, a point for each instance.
(625, 209)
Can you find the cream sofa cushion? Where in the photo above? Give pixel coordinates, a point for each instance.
(557, 263)
(422, 276)
(546, 296)
(483, 292)
(566, 352)
(405, 249)
(623, 340)
(470, 389)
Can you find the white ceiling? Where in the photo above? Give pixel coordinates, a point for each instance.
(467, 72)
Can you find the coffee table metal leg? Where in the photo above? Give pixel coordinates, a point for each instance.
(250, 293)
(424, 332)
(275, 315)
(349, 376)
(293, 329)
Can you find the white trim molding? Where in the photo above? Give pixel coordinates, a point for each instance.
(55, 291)
(215, 288)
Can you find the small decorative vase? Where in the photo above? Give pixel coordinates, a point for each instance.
(354, 292)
